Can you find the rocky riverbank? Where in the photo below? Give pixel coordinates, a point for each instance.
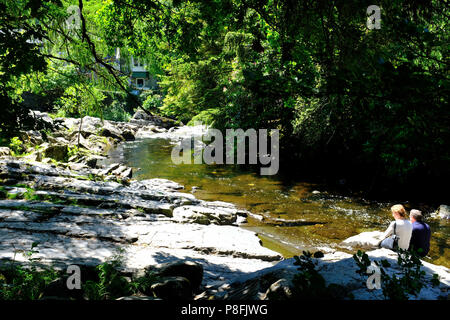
(80, 212)
(77, 220)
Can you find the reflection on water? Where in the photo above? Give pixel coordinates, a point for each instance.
(295, 217)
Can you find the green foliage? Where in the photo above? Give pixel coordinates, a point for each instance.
(80, 100)
(21, 21)
(152, 101)
(362, 261)
(29, 194)
(112, 284)
(309, 283)
(27, 282)
(413, 277)
(348, 101)
(17, 146)
(435, 281)
(72, 151)
(206, 117)
(116, 111)
(409, 281)
(191, 87)
(141, 285)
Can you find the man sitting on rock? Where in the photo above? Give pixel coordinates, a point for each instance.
(421, 234)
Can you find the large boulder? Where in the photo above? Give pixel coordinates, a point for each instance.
(57, 140)
(264, 284)
(34, 156)
(100, 145)
(108, 130)
(31, 136)
(42, 120)
(444, 212)
(186, 269)
(128, 173)
(58, 152)
(143, 118)
(173, 288)
(128, 135)
(119, 170)
(142, 115)
(92, 161)
(80, 141)
(364, 240)
(90, 125)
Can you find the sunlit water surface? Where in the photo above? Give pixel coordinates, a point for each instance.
(295, 218)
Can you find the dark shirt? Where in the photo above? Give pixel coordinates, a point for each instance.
(420, 238)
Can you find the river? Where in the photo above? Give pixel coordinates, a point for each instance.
(297, 216)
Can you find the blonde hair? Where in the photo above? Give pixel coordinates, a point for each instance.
(399, 210)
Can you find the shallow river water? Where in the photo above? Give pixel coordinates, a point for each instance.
(297, 216)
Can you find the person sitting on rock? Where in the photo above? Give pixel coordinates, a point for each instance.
(421, 234)
(403, 228)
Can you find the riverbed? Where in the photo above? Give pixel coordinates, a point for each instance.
(289, 216)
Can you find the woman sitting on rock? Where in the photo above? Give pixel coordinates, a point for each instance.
(401, 227)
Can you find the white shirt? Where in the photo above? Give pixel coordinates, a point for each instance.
(403, 230)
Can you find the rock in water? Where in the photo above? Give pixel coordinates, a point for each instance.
(141, 117)
(202, 215)
(444, 211)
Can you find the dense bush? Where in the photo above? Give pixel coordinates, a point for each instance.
(206, 117)
(367, 105)
(152, 101)
(30, 280)
(27, 282)
(191, 87)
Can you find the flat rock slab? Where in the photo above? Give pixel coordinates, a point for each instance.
(365, 240)
(62, 250)
(93, 220)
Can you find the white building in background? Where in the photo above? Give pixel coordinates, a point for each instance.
(140, 78)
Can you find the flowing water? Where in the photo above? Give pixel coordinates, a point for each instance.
(297, 216)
